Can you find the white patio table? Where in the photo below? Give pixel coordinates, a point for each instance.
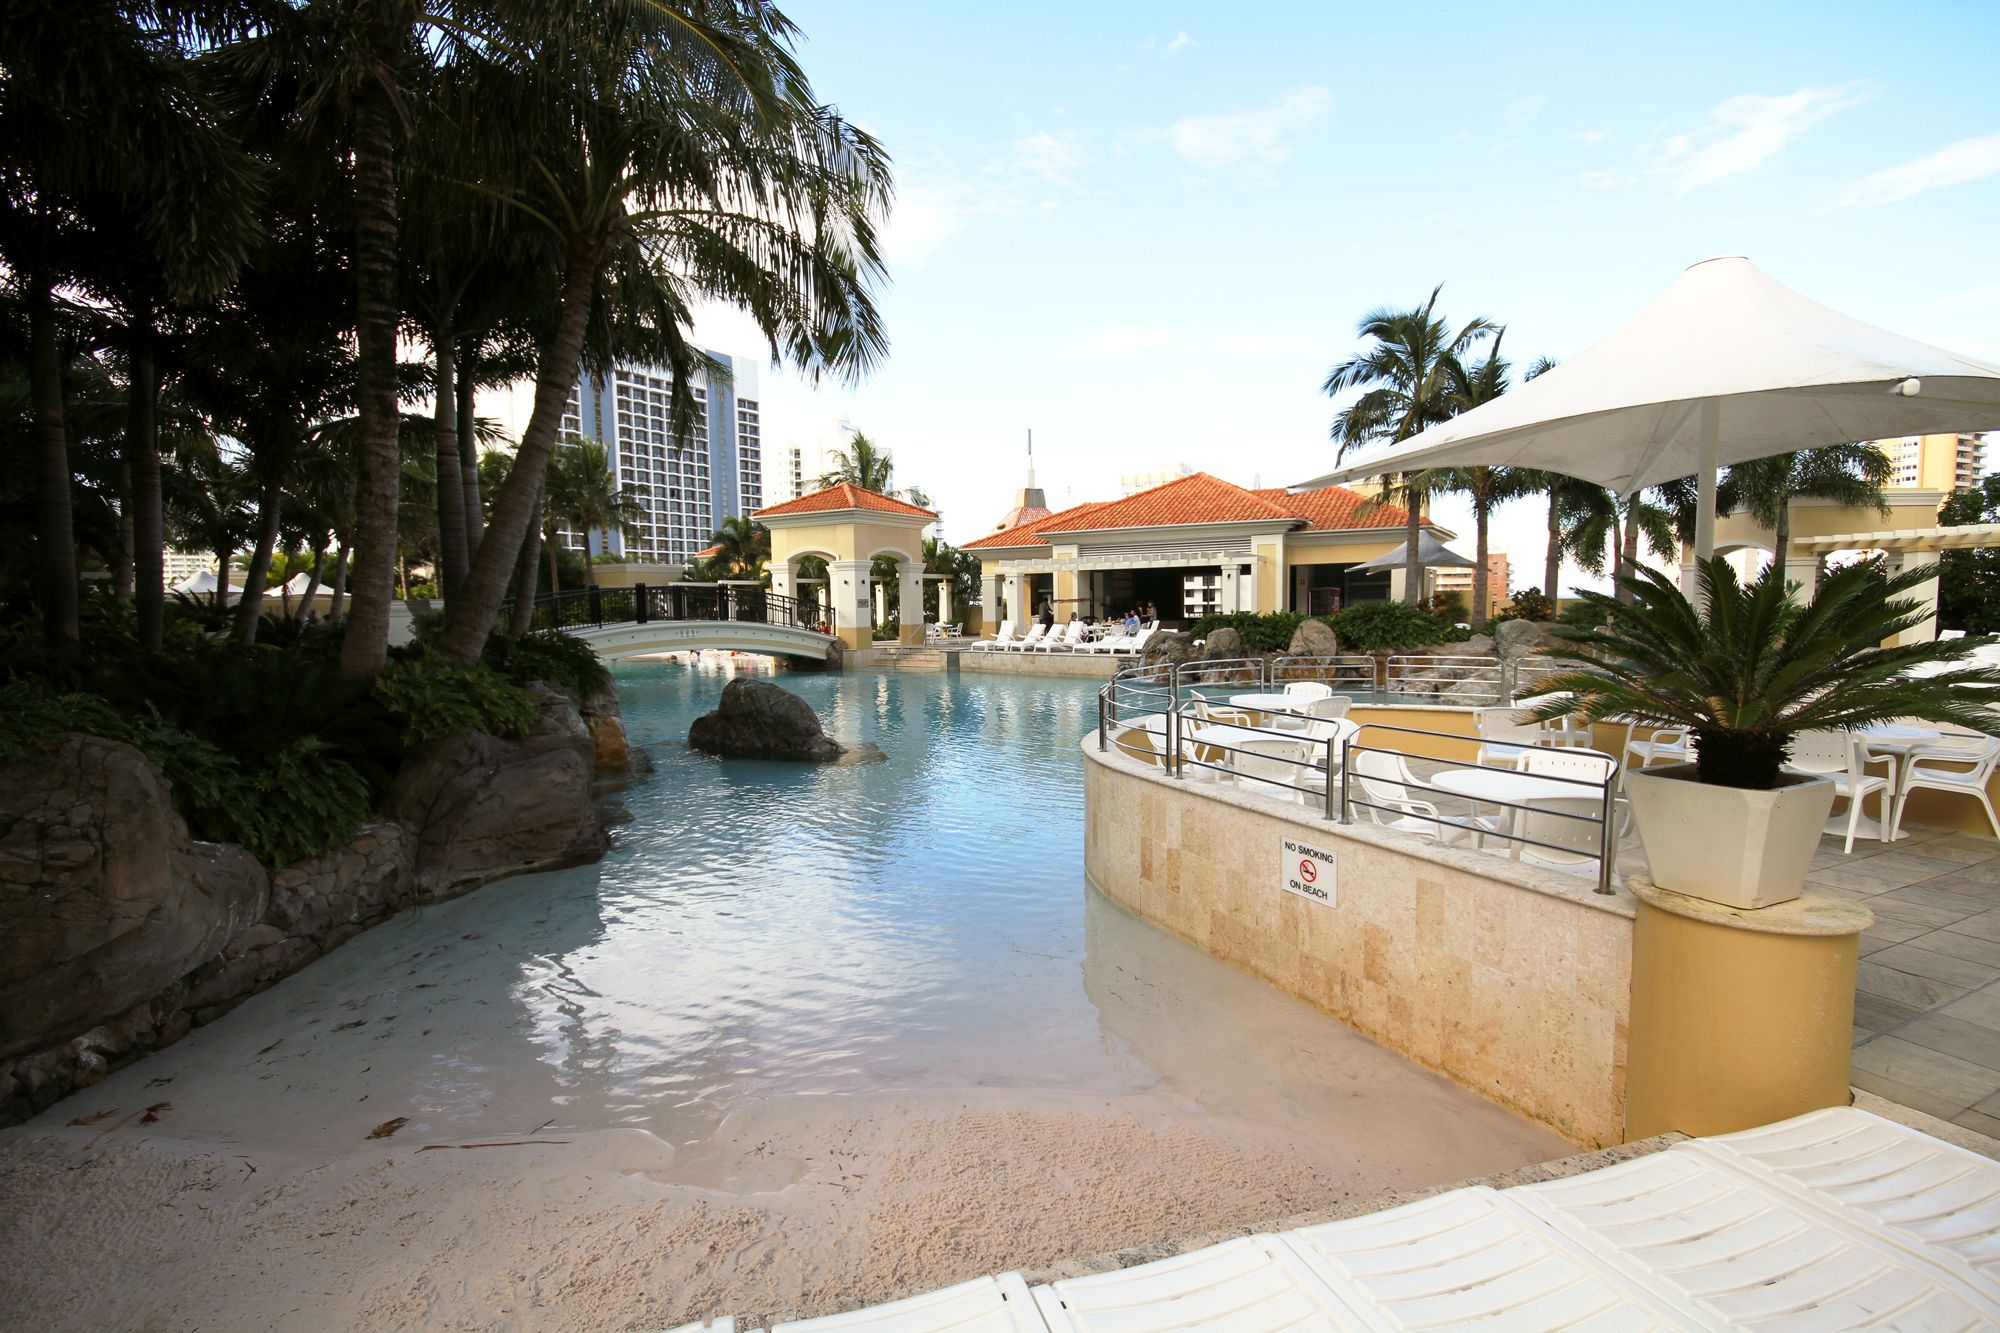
(1889, 743)
(1515, 789)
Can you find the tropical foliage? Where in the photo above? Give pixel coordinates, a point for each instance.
(1366, 627)
(1967, 579)
(528, 189)
(1406, 371)
(866, 464)
(1747, 669)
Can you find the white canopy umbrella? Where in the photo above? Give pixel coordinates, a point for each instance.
(1725, 367)
(1430, 553)
(202, 584)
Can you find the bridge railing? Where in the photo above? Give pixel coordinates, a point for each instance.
(641, 604)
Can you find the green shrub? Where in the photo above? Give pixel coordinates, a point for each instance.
(431, 699)
(1373, 627)
(1261, 632)
(1529, 604)
(548, 655)
(1584, 615)
(34, 718)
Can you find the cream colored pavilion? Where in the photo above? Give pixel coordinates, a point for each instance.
(848, 527)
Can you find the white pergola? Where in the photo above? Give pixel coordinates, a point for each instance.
(1903, 549)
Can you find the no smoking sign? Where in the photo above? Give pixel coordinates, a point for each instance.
(1306, 871)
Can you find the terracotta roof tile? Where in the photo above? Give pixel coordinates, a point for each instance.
(844, 496)
(1201, 498)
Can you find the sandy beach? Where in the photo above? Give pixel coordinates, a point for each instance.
(808, 1208)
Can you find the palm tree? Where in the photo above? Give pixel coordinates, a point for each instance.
(1486, 487)
(862, 463)
(1405, 376)
(672, 155)
(583, 494)
(745, 546)
(1847, 474)
(105, 132)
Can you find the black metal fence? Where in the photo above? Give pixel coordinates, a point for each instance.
(641, 604)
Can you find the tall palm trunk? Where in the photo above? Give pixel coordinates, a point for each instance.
(1628, 548)
(270, 501)
(523, 618)
(1552, 562)
(1413, 566)
(552, 545)
(471, 622)
(1482, 528)
(1781, 536)
(218, 610)
(365, 648)
(142, 457)
(452, 558)
(338, 602)
(121, 562)
(55, 531)
(468, 446)
(312, 580)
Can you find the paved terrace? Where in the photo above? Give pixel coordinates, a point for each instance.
(1927, 1002)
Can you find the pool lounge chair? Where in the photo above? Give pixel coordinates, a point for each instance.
(1034, 636)
(1000, 640)
(1061, 641)
(1131, 647)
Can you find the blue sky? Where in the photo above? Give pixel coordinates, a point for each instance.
(1148, 230)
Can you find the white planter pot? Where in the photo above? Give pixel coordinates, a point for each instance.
(1744, 849)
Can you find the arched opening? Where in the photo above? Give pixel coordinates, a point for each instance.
(896, 596)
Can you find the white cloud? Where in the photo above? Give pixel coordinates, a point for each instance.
(1051, 156)
(1181, 42)
(1591, 136)
(1973, 298)
(1254, 139)
(1118, 339)
(1966, 160)
(1257, 344)
(1743, 133)
(1604, 180)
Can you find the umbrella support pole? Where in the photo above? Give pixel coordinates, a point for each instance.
(1708, 466)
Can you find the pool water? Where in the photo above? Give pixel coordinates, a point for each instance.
(762, 930)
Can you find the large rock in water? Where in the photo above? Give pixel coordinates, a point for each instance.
(103, 899)
(480, 807)
(1166, 648)
(757, 720)
(1222, 644)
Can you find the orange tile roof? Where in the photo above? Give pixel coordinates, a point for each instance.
(844, 496)
(708, 552)
(1201, 498)
(1021, 516)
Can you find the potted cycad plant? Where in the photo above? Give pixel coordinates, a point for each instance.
(1744, 673)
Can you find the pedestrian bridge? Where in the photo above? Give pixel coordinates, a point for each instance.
(676, 617)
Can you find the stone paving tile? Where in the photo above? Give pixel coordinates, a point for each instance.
(1978, 882)
(1923, 895)
(1873, 1013)
(1949, 1079)
(1978, 1120)
(1901, 909)
(1886, 931)
(1864, 878)
(1923, 961)
(1969, 947)
(1985, 926)
(1971, 852)
(1946, 1035)
(1910, 867)
(1912, 1095)
(1981, 1007)
(1907, 988)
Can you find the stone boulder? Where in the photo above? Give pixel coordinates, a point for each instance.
(1313, 638)
(479, 807)
(103, 900)
(1166, 648)
(606, 724)
(1517, 638)
(1223, 643)
(758, 720)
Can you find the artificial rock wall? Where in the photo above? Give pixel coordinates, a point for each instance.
(119, 933)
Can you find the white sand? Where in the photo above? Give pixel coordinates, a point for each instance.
(838, 1203)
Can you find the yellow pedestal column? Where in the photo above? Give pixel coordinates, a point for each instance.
(1738, 1018)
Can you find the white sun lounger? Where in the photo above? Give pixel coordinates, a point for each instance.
(1713, 1242)
(985, 1305)
(1001, 639)
(1064, 639)
(1923, 1194)
(1035, 634)
(1239, 1284)
(1463, 1258)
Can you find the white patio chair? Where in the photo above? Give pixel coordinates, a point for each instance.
(1384, 780)
(1001, 639)
(1036, 633)
(1669, 745)
(1505, 734)
(1308, 691)
(1257, 765)
(1837, 755)
(1927, 771)
(1330, 709)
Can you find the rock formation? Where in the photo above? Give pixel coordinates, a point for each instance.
(1313, 638)
(119, 933)
(758, 720)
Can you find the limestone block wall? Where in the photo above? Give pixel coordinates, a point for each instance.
(1512, 981)
(1090, 666)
